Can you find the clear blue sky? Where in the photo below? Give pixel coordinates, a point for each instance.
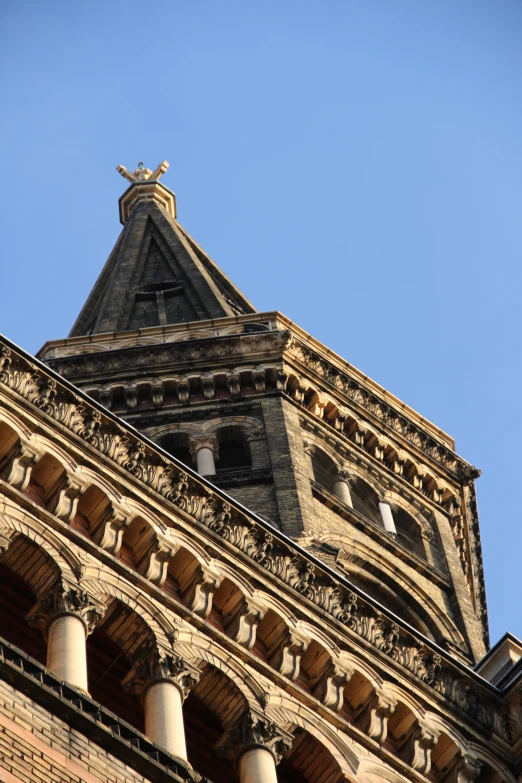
(356, 165)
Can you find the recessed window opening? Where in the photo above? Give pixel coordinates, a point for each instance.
(177, 444)
(325, 470)
(233, 450)
(408, 532)
(365, 500)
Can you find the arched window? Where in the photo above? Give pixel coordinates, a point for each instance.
(325, 470)
(177, 444)
(365, 500)
(110, 652)
(26, 573)
(233, 449)
(408, 532)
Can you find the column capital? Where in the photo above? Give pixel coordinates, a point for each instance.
(158, 665)
(252, 730)
(344, 475)
(63, 599)
(197, 442)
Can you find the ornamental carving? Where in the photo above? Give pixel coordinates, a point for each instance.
(254, 730)
(157, 665)
(63, 599)
(251, 537)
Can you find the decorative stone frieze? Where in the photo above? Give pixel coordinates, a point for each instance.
(255, 540)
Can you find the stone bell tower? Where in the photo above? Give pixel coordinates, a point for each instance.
(227, 555)
(168, 343)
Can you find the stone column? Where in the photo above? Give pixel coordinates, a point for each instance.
(387, 518)
(204, 450)
(255, 745)
(163, 681)
(341, 488)
(67, 615)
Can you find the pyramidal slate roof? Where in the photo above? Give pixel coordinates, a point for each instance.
(156, 274)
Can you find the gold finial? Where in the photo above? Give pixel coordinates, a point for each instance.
(141, 174)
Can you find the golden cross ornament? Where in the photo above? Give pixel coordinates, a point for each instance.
(141, 174)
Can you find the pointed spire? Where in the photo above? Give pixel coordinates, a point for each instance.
(156, 274)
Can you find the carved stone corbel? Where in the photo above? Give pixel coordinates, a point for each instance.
(299, 394)
(339, 421)
(61, 599)
(417, 748)
(373, 718)
(198, 594)
(131, 398)
(208, 386)
(282, 380)
(286, 655)
(159, 665)
(242, 625)
(317, 408)
(259, 379)
(108, 532)
(157, 394)
(153, 554)
(378, 451)
(17, 466)
(359, 435)
(329, 689)
(105, 398)
(465, 770)
(183, 389)
(254, 730)
(63, 500)
(234, 383)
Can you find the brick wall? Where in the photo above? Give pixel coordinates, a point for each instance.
(38, 747)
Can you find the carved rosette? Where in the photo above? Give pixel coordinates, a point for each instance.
(63, 599)
(254, 730)
(157, 665)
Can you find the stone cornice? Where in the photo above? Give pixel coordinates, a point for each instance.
(386, 634)
(398, 420)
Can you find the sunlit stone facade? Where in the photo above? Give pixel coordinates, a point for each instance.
(228, 555)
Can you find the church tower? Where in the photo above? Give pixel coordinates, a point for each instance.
(168, 343)
(227, 555)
